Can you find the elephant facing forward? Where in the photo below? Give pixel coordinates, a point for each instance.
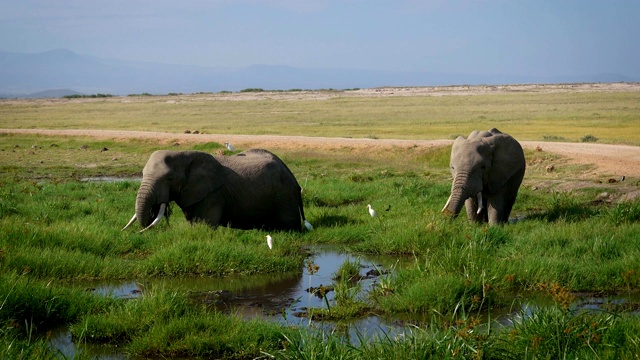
(250, 190)
(487, 168)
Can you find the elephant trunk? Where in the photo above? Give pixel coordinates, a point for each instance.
(459, 194)
(145, 204)
(147, 209)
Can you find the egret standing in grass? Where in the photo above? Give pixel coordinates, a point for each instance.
(229, 146)
(269, 242)
(308, 225)
(371, 211)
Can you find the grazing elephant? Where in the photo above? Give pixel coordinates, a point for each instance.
(487, 169)
(250, 190)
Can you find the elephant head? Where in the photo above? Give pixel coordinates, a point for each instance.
(487, 169)
(185, 177)
(252, 189)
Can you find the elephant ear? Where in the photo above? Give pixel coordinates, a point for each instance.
(506, 161)
(203, 175)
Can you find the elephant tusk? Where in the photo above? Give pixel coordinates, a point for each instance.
(155, 222)
(480, 205)
(130, 222)
(446, 205)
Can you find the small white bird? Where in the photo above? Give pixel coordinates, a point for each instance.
(229, 146)
(371, 211)
(269, 242)
(308, 225)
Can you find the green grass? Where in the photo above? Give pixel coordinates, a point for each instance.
(30, 306)
(167, 324)
(552, 333)
(74, 233)
(57, 228)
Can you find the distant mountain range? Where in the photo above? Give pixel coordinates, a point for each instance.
(62, 72)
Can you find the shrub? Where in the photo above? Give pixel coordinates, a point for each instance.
(553, 138)
(589, 138)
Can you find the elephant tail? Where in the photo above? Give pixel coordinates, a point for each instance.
(299, 195)
(301, 208)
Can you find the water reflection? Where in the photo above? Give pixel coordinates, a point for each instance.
(277, 297)
(60, 339)
(282, 297)
(273, 297)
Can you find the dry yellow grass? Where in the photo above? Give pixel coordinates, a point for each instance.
(612, 117)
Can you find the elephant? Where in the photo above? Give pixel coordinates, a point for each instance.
(253, 189)
(487, 169)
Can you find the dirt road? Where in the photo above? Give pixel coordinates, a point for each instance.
(610, 160)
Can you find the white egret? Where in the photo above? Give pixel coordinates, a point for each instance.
(371, 211)
(229, 146)
(308, 225)
(269, 241)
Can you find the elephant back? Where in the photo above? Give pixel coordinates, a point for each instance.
(261, 166)
(252, 162)
(260, 183)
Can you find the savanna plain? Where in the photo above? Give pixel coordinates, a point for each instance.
(575, 233)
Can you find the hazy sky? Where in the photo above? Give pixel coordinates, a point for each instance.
(535, 37)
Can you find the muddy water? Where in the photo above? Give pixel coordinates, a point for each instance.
(278, 297)
(281, 298)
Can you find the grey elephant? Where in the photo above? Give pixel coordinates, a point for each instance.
(250, 190)
(487, 168)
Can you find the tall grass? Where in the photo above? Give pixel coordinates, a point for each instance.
(550, 333)
(167, 324)
(28, 306)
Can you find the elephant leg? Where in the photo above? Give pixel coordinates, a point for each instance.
(506, 208)
(209, 211)
(494, 215)
(292, 222)
(287, 218)
(471, 204)
(511, 192)
(496, 209)
(212, 215)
